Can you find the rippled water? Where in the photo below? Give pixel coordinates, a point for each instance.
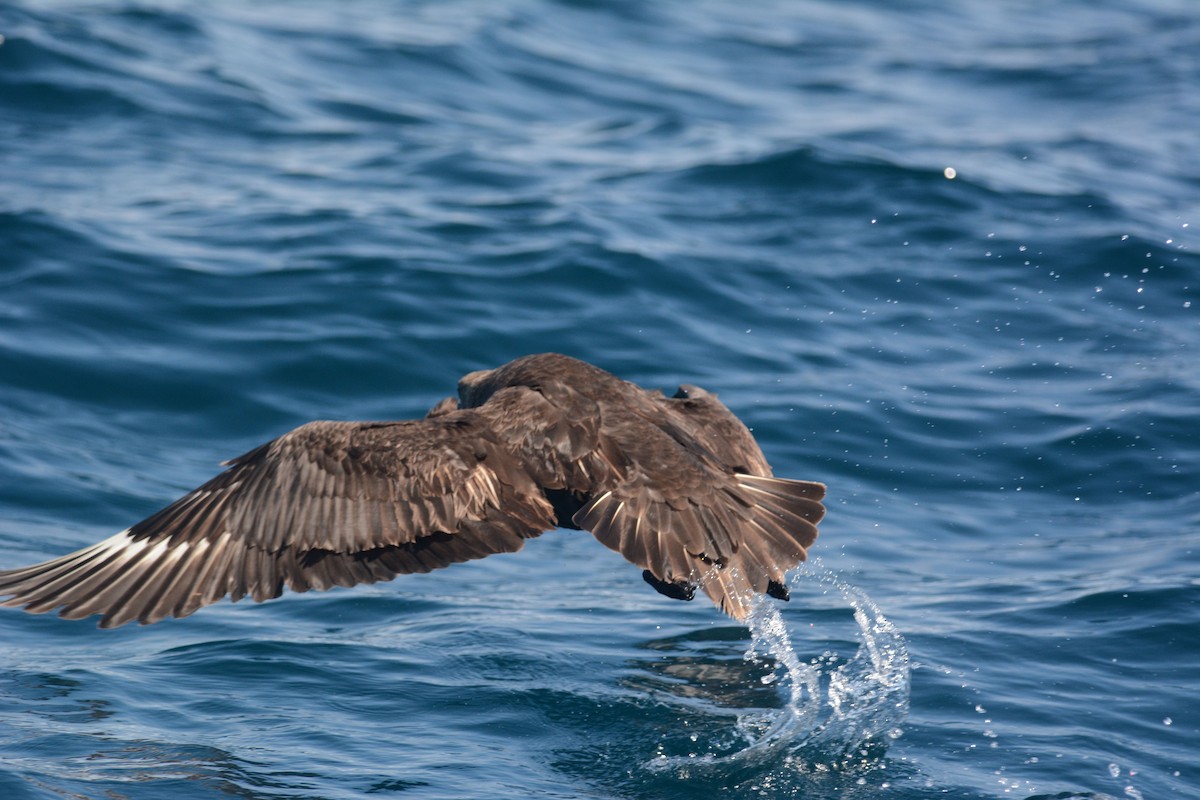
(220, 220)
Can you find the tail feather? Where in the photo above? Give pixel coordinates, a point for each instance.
(737, 545)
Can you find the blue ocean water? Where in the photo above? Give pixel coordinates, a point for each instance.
(940, 256)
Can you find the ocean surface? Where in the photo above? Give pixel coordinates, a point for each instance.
(942, 256)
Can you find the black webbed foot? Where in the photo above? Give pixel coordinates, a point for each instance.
(778, 591)
(676, 591)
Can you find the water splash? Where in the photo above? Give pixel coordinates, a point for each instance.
(837, 713)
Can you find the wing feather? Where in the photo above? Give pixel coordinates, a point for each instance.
(328, 504)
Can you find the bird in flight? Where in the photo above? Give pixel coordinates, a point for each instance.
(677, 485)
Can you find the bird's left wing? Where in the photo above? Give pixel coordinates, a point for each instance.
(327, 504)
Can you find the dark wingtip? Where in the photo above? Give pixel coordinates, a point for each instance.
(676, 591)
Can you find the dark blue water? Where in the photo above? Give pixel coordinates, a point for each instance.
(220, 220)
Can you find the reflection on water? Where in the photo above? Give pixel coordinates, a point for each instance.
(707, 669)
(57, 697)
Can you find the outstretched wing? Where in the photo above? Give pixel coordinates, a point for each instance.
(328, 504)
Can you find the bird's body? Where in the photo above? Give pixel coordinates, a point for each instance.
(677, 485)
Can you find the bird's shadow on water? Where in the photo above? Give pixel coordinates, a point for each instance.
(740, 712)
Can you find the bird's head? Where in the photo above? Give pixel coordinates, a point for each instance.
(689, 392)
